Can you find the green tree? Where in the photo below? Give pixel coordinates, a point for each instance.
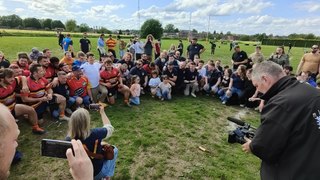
(11, 21)
(84, 27)
(169, 28)
(57, 24)
(46, 24)
(151, 26)
(32, 23)
(104, 30)
(71, 25)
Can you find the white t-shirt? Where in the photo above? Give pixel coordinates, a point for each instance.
(91, 71)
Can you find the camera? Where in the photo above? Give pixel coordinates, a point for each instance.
(244, 130)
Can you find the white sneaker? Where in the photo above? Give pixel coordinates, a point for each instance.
(241, 105)
(193, 95)
(224, 102)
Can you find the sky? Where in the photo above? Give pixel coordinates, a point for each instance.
(281, 17)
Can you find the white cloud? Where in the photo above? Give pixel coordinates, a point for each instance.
(309, 6)
(18, 10)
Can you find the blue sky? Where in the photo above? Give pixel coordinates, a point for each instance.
(241, 16)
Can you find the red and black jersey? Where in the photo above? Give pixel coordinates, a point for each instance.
(110, 76)
(78, 87)
(50, 73)
(8, 93)
(37, 89)
(25, 70)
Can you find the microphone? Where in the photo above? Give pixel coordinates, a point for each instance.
(237, 121)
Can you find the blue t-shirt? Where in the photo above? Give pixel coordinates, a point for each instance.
(66, 42)
(237, 81)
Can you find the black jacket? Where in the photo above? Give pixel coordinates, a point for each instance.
(288, 139)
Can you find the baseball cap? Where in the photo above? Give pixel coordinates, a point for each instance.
(75, 68)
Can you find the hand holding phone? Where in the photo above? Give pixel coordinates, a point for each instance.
(55, 148)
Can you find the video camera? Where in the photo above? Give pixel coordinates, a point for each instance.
(244, 130)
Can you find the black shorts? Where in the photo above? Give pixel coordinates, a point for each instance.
(112, 91)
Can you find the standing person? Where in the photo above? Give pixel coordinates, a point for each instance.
(290, 47)
(280, 57)
(100, 46)
(111, 44)
(213, 47)
(239, 58)
(67, 43)
(79, 128)
(157, 49)
(85, 44)
(310, 62)
(138, 49)
(288, 139)
(194, 49)
(256, 57)
(91, 70)
(180, 47)
(149, 46)
(122, 47)
(60, 39)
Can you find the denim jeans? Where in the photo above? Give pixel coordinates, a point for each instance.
(135, 100)
(234, 90)
(166, 95)
(108, 166)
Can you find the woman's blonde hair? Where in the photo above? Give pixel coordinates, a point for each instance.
(79, 124)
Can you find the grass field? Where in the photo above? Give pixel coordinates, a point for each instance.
(156, 140)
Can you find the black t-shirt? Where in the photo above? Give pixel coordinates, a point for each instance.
(85, 44)
(139, 72)
(170, 74)
(4, 64)
(62, 89)
(225, 82)
(238, 57)
(129, 63)
(194, 49)
(181, 75)
(160, 63)
(190, 76)
(213, 76)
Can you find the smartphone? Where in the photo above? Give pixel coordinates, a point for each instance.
(95, 107)
(55, 148)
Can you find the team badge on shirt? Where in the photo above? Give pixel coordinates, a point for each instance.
(317, 118)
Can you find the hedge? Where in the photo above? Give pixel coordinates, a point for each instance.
(294, 42)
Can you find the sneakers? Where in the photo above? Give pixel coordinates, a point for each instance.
(38, 130)
(224, 102)
(241, 105)
(193, 95)
(64, 118)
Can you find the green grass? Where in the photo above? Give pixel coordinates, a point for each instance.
(156, 140)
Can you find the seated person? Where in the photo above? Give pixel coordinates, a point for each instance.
(41, 94)
(191, 81)
(81, 59)
(9, 85)
(23, 64)
(111, 82)
(212, 79)
(80, 88)
(139, 71)
(305, 77)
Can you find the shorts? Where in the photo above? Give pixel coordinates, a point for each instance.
(112, 91)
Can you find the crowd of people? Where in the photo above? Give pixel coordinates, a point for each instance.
(39, 82)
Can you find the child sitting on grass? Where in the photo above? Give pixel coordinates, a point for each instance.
(154, 84)
(135, 90)
(165, 88)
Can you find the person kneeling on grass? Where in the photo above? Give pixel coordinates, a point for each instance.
(79, 128)
(135, 90)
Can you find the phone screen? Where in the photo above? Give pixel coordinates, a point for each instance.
(54, 148)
